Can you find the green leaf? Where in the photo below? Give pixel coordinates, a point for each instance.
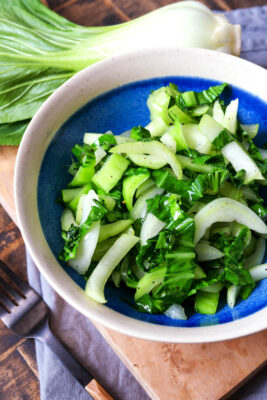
(150, 256)
(116, 215)
(21, 99)
(141, 134)
(223, 139)
(246, 291)
(216, 160)
(233, 248)
(237, 178)
(106, 141)
(84, 154)
(253, 150)
(136, 171)
(260, 210)
(173, 247)
(204, 184)
(11, 134)
(167, 210)
(84, 167)
(32, 61)
(207, 303)
(164, 179)
(191, 190)
(149, 305)
(193, 99)
(73, 236)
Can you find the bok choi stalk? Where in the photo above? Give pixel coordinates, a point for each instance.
(46, 49)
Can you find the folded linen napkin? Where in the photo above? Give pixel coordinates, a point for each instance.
(79, 334)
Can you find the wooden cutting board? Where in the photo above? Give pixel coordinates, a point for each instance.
(170, 371)
(166, 371)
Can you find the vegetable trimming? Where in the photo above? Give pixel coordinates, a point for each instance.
(181, 228)
(40, 50)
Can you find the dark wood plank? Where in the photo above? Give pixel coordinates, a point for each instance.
(19, 372)
(27, 351)
(136, 8)
(18, 382)
(8, 342)
(90, 12)
(12, 249)
(4, 219)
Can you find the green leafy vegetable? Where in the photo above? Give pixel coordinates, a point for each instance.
(234, 255)
(260, 210)
(140, 133)
(84, 168)
(193, 99)
(174, 225)
(45, 50)
(73, 236)
(223, 139)
(106, 141)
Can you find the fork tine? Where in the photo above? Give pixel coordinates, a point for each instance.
(8, 271)
(2, 311)
(5, 300)
(11, 290)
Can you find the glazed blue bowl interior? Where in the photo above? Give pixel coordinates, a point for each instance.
(118, 111)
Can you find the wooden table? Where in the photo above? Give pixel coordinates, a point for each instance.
(18, 368)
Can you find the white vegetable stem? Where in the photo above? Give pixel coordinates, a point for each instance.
(140, 208)
(263, 153)
(176, 311)
(149, 281)
(226, 210)
(210, 127)
(152, 148)
(150, 228)
(183, 24)
(259, 272)
(230, 117)
(169, 141)
(232, 293)
(99, 155)
(196, 139)
(239, 159)
(96, 283)
(205, 252)
(87, 245)
(86, 249)
(257, 256)
(84, 206)
(67, 219)
(145, 160)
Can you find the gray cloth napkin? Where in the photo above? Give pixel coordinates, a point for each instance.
(254, 32)
(81, 336)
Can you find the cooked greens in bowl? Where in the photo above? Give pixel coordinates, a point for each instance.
(112, 96)
(171, 210)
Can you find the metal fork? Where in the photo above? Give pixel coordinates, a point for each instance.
(24, 311)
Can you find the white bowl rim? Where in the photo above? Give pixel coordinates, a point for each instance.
(57, 277)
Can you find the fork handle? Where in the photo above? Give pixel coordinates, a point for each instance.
(95, 390)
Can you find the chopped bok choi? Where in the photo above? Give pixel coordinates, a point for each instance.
(172, 210)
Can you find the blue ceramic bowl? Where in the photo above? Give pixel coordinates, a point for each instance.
(119, 109)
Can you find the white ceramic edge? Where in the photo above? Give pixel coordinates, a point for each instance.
(132, 67)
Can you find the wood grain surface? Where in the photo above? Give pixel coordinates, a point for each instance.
(18, 367)
(178, 371)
